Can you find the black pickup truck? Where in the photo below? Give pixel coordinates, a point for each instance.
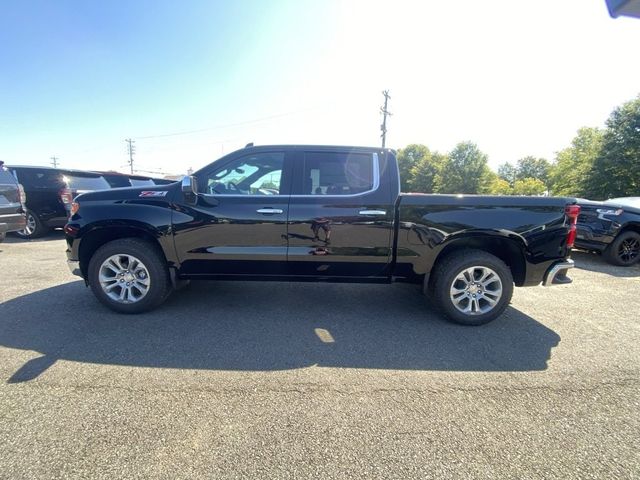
(317, 213)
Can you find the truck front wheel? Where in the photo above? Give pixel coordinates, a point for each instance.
(129, 275)
(472, 287)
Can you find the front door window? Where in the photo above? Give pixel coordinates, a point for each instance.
(258, 174)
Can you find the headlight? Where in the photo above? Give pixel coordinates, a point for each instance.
(610, 211)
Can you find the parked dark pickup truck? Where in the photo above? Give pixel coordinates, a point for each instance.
(611, 228)
(321, 214)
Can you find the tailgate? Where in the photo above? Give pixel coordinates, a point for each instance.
(9, 199)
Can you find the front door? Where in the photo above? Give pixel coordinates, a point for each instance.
(239, 224)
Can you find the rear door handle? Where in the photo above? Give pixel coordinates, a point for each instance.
(269, 211)
(373, 213)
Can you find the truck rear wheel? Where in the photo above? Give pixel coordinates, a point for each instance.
(472, 287)
(129, 275)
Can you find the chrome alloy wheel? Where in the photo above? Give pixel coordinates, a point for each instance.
(124, 278)
(476, 290)
(30, 227)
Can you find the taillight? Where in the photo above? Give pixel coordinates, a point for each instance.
(23, 195)
(66, 195)
(572, 212)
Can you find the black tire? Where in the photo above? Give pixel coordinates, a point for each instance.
(624, 251)
(155, 267)
(446, 271)
(38, 229)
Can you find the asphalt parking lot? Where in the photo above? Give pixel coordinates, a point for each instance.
(274, 380)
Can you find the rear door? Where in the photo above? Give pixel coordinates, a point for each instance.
(340, 214)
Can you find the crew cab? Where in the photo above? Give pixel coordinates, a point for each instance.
(316, 213)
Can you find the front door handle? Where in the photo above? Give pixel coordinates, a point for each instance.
(269, 211)
(373, 213)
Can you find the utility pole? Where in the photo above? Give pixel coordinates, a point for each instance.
(384, 112)
(132, 150)
(54, 162)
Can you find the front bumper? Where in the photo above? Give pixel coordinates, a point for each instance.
(74, 267)
(555, 271)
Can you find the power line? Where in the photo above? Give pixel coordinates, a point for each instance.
(132, 150)
(54, 161)
(215, 127)
(384, 112)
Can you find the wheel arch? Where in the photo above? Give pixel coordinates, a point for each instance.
(630, 227)
(99, 236)
(509, 250)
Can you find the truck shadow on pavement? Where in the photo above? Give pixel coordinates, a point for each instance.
(255, 326)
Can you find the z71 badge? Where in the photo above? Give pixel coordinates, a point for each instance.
(151, 193)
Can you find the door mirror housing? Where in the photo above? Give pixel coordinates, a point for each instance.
(190, 189)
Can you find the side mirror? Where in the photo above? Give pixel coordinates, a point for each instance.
(190, 189)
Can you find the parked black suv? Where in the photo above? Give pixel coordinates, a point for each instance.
(50, 192)
(12, 216)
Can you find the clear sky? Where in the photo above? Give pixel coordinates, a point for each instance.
(191, 80)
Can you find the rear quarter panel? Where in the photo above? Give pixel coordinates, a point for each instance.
(429, 223)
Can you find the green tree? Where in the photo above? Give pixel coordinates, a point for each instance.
(569, 174)
(531, 167)
(508, 173)
(408, 158)
(527, 167)
(616, 170)
(529, 186)
(424, 173)
(499, 186)
(464, 170)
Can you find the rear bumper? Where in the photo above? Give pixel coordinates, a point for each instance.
(12, 222)
(557, 269)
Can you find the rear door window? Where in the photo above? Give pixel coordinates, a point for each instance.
(337, 173)
(40, 179)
